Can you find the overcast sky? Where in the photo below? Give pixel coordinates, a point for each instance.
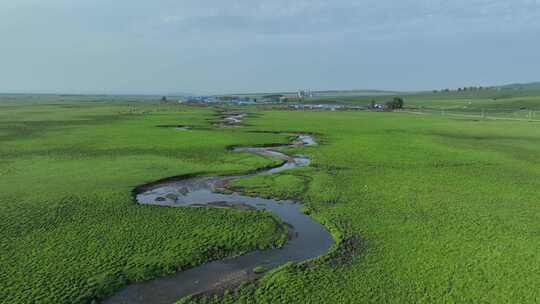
(216, 46)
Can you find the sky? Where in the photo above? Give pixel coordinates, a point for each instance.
(234, 46)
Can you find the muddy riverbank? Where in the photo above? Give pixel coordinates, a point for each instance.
(307, 238)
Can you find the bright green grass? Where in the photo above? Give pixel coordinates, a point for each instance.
(448, 210)
(69, 228)
(283, 185)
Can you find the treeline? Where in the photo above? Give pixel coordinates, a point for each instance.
(396, 103)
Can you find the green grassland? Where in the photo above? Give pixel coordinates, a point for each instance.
(446, 210)
(426, 208)
(70, 230)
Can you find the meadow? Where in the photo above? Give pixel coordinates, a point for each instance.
(70, 229)
(425, 208)
(438, 210)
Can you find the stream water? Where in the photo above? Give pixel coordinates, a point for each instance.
(307, 238)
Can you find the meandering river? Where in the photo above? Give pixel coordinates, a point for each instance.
(307, 238)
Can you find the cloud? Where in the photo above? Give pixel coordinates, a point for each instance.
(368, 18)
(136, 44)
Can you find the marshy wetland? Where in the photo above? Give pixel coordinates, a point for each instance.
(422, 208)
(307, 238)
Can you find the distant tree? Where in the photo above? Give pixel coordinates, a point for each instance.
(164, 99)
(396, 103)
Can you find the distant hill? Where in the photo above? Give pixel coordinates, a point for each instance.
(355, 92)
(181, 94)
(323, 93)
(531, 86)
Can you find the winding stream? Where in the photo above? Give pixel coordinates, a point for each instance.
(307, 238)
